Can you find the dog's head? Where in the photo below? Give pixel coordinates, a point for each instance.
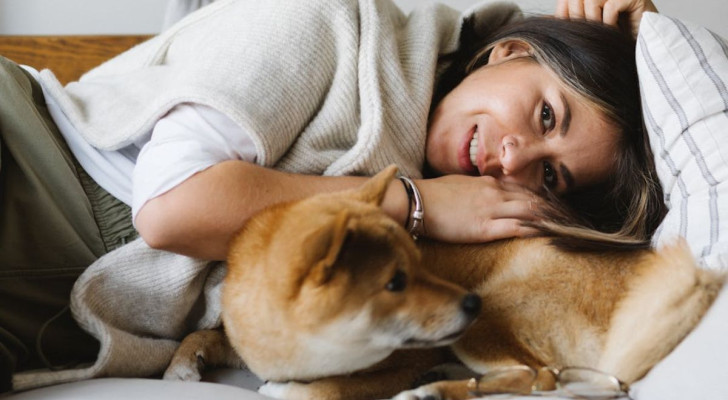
(331, 284)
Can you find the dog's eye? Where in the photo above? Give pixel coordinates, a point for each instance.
(398, 282)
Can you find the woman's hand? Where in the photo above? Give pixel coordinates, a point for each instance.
(607, 11)
(467, 209)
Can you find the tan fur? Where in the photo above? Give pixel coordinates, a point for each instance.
(305, 304)
(620, 313)
(668, 298)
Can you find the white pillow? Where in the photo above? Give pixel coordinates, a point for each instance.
(683, 72)
(683, 75)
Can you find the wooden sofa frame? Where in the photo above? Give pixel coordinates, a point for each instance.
(67, 56)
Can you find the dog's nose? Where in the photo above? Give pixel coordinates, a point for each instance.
(471, 304)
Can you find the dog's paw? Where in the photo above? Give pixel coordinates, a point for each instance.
(426, 392)
(181, 373)
(291, 390)
(276, 390)
(181, 369)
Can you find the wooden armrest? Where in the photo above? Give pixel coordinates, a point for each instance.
(67, 56)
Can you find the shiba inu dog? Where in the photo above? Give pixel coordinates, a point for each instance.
(328, 298)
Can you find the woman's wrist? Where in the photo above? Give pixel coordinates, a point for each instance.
(396, 202)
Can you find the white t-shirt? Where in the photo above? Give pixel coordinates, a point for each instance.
(189, 139)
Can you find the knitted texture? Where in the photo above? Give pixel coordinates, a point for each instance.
(327, 87)
(138, 303)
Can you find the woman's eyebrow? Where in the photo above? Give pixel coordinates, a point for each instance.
(566, 121)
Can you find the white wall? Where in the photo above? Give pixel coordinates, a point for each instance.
(70, 17)
(712, 14)
(41, 17)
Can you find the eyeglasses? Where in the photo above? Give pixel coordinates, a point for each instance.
(572, 382)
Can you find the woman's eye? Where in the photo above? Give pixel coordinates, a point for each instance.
(549, 175)
(547, 117)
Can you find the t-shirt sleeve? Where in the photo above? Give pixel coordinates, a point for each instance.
(189, 139)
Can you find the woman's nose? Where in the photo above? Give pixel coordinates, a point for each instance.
(519, 158)
(517, 153)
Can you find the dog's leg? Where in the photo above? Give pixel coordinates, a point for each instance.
(375, 385)
(468, 388)
(461, 383)
(384, 380)
(198, 350)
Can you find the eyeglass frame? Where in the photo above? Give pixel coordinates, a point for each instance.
(621, 388)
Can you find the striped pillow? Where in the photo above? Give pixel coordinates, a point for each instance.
(683, 72)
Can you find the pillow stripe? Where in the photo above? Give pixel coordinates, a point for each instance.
(657, 130)
(704, 64)
(664, 155)
(679, 112)
(721, 88)
(714, 222)
(722, 42)
(683, 73)
(684, 124)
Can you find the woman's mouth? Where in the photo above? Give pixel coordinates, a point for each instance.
(467, 157)
(469, 152)
(474, 150)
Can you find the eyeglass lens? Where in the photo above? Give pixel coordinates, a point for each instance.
(590, 384)
(583, 383)
(514, 380)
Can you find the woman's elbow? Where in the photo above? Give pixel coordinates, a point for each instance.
(153, 224)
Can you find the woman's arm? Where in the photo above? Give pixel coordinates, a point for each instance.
(199, 216)
(607, 11)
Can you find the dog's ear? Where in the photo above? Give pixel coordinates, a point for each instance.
(324, 245)
(374, 189)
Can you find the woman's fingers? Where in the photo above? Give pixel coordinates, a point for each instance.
(593, 10)
(606, 11)
(610, 13)
(525, 210)
(576, 9)
(562, 9)
(513, 201)
(508, 228)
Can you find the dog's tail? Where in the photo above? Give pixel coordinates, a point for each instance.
(664, 302)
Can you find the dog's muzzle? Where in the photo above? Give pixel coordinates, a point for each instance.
(470, 307)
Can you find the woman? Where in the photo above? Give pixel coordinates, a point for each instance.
(495, 212)
(507, 123)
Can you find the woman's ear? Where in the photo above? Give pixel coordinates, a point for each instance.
(508, 50)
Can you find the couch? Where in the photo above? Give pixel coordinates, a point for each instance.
(684, 78)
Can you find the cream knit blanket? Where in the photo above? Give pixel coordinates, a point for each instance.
(324, 87)
(367, 67)
(138, 302)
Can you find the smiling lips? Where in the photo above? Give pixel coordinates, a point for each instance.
(469, 153)
(474, 149)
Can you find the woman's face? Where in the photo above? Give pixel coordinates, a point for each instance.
(515, 120)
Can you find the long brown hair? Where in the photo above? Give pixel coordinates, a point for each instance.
(598, 62)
